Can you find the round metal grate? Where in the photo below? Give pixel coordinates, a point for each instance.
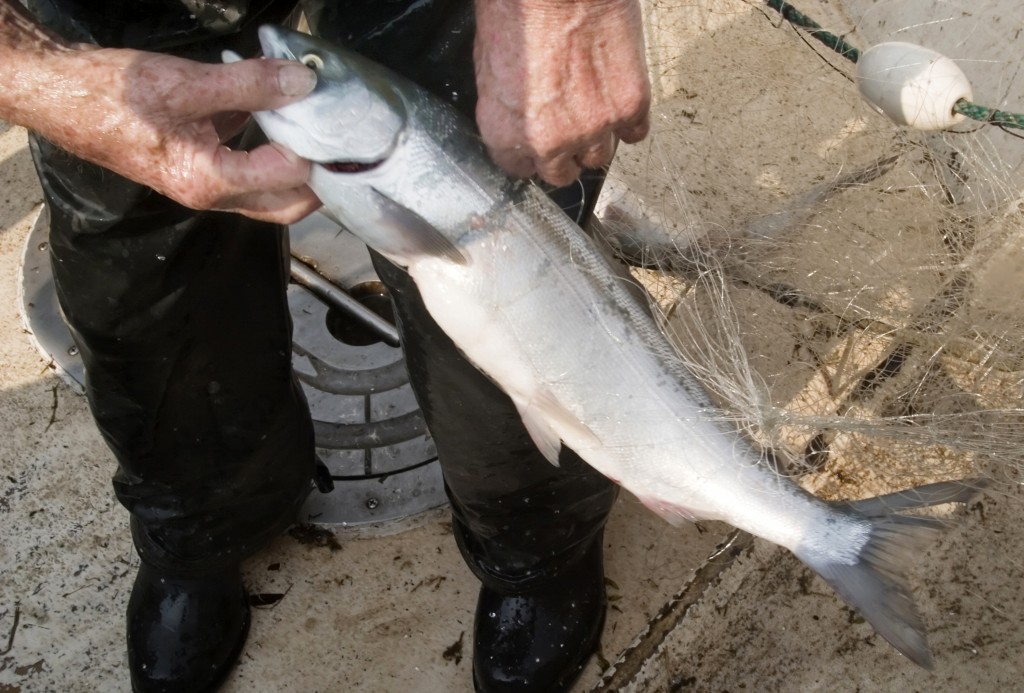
(369, 431)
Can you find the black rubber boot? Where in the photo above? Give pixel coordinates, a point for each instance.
(540, 640)
(185, 633)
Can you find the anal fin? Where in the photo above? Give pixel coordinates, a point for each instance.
(675, 515)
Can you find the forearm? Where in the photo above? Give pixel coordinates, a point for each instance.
(25, 47)
(40, 77)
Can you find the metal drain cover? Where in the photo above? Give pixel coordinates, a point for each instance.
(369, 431)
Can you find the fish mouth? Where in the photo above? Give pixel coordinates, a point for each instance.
(351, 166)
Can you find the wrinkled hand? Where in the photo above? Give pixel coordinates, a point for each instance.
(161, 121)
(558, 81)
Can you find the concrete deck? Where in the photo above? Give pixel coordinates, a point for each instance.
(391, 609)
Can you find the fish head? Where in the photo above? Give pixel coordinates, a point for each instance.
(353, 118)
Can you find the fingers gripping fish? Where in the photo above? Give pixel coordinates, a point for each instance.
(534, 305)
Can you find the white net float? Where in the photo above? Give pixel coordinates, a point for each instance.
(912, 85)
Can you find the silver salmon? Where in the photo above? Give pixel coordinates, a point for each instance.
(534, 304)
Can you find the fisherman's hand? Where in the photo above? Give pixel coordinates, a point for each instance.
(161, 121)
(558, 80)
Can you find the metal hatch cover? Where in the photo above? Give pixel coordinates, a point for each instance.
(369, 430)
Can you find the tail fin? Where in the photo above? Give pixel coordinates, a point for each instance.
(875, 584)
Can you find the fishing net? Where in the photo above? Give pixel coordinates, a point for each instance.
(848, 288)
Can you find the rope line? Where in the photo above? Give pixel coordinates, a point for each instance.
(1002, 119)
(983, 114)
(798, 18)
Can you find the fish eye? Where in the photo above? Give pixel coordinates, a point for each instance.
(312, 61)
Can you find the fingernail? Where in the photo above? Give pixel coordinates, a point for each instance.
(294, 79)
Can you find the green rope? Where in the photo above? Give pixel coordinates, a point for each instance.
(964, 107)
(1001, 119)
(798, 18)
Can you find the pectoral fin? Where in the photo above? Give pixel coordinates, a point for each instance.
(550, 425)
(410, 235)
(390, 228)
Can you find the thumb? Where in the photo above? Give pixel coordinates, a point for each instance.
(246, 85)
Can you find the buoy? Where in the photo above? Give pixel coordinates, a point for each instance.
(912, 85)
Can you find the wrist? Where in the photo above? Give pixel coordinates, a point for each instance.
(70, 97)
(561, 6)
(552, 13)
(546, 24)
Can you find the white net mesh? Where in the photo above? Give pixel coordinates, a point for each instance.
(849, 288)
